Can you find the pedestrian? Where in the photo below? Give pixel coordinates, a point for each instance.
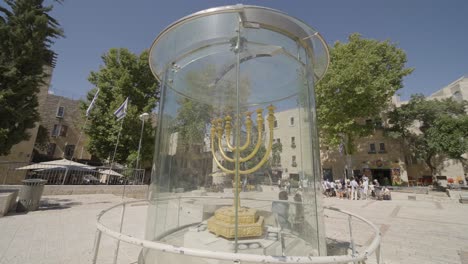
(333, 188)
(328, 187)
(365, 188)
(354, 187)
(386, 193)
(339, 189)
(348, 189)
(281, 209)
(288, 187)
(299, 217)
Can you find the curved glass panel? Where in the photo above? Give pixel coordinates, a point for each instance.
(236, 165)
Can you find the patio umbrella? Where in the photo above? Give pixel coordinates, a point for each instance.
(55, 164)
(109, 173)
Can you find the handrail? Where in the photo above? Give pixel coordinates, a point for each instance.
(374, 246)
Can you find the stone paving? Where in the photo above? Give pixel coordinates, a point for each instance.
(430, 229)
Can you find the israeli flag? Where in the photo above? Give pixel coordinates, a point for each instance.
(91, 105)
(121, 112)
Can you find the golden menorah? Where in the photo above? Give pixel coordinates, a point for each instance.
(223, 222)
(217, 131)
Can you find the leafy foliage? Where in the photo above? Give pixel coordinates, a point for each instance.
(363, 75)
(123, 75)
(192, 121)
(432, 130)
(26, 36)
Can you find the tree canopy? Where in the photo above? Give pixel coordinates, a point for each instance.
(27, 32)
(363, 76)
(123, 75)
(432, 130)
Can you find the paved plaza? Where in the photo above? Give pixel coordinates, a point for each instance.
(420, 229)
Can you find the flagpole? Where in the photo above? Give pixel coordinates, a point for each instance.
(116, 253)
(115, 149)
(73, 155)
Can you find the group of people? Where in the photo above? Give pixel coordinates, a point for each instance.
(354, 189)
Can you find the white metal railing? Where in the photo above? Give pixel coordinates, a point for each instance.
(373, 247)
(62, 174)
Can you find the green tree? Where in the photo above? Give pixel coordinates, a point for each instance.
(27, 32)
(363, 75)
(431, 130)
(123, 75)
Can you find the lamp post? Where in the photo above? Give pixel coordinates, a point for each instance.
(143, 118)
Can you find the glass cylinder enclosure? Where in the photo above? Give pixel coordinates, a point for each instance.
(237, 166)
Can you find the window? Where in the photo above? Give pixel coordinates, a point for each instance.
(293, 142)
(372, 148)
(278, 140)
(291, 121)
(275, 124)
(69, 149)
(51, 149)
(60, 111)
(63, 131)
(293, 159)
(382, 147)
(56, 130)
(378, 123)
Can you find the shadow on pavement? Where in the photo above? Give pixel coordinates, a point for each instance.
(57, 204)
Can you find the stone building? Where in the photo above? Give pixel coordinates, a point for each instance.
(287, 132)
(458, 91)
(21, 153)
(379, 157)
(62, 120)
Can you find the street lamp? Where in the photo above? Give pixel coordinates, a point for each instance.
(143, 118)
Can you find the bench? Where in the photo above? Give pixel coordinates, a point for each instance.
(8, 201)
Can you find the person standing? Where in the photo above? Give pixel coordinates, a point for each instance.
(354, 188)
(281, 210)
(365, 188)
(299, 217)
(333, 188)
(377, 189)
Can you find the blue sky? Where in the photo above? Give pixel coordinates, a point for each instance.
(434, 34)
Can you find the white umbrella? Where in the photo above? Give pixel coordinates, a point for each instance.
(110, 172)
(54, 164)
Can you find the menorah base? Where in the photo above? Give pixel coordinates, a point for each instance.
(223, 223)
